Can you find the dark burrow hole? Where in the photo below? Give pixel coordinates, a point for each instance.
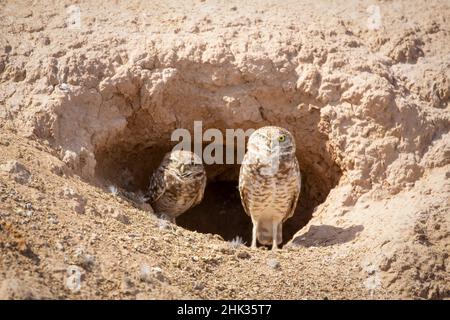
(221, 212)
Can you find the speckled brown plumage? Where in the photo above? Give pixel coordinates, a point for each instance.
(177, 184)
(269, 183)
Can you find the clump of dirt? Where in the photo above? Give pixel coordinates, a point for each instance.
(88, 106)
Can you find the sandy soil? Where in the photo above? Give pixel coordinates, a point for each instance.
(90, 92)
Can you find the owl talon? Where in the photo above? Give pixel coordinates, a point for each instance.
(167, 218)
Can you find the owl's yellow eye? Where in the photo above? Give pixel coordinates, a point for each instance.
(282, 138)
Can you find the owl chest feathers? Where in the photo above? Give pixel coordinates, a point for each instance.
(179, 195)
(269, 194)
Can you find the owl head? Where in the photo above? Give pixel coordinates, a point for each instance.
(184, 164)
(271, 144)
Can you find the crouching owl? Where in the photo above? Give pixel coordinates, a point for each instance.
(178, 184)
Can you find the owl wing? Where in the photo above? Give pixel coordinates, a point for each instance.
(201, 192)
(243, 185)
(157, 185)
(297, 189)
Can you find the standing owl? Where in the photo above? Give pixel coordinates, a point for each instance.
(178, 184)
(269, 183)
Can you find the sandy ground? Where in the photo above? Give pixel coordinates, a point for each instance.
(90, 92)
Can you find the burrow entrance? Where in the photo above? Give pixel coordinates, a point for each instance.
(129, 166)
(145, 106)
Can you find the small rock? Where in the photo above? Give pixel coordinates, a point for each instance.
(149, 274)
(158, 273)
(199, 286)
(57, 169)
(371, 269)
(243, 255)
(93, 238)
(226, 250)
(127, 284)
(119, 216)
(145, 274)
(64, 87)
(59, 246)
(273, 263)
(93, 211)
(73, 280)
(4, 141)
(79, 202)
(45, 41)
(385, 264)
(194, 29)
(18, 172)
(83, 259)
(79, 206)
(68, 192)
(28, 213)
(53, 220)
(4, 213)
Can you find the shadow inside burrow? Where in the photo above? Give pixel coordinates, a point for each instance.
(129, 166)
(221, 212)
(326, 235)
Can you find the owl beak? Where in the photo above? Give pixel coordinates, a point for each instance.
(182, 168)
(272, 145)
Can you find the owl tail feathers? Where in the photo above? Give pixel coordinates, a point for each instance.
(264, 232)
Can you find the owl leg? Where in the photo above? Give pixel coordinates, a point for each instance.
(274, 235)
(254, 232)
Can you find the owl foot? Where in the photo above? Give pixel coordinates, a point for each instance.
(168, 218)
(166, 222)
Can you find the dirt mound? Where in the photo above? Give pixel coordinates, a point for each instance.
(90, 95)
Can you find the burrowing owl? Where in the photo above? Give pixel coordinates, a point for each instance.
(178, 184)
(269, 183)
